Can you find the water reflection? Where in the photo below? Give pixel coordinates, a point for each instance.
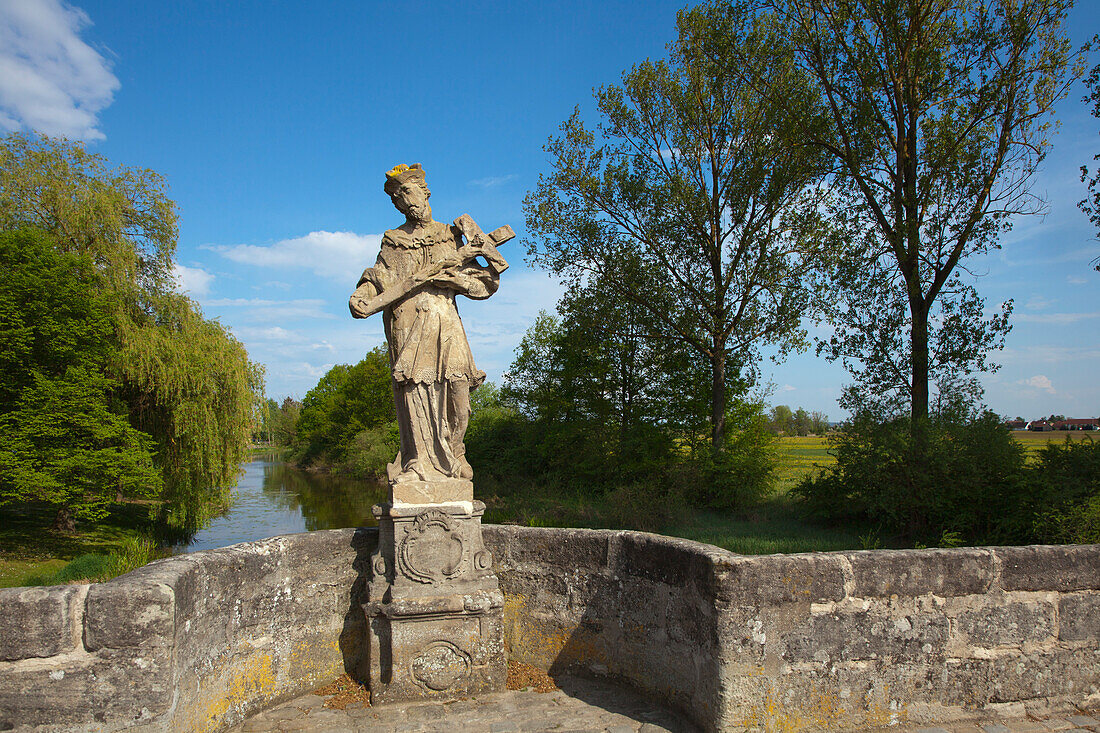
(272, 498)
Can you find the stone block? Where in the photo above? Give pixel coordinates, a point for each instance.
(39, 622)
(1079, 617)
(1008, 623)
(1050, 567)
(436, 657)
(845, 637)
(779, 579)
(666, 560)
(908, 573)
(562, 548)
(123, 613)
(1045, 673)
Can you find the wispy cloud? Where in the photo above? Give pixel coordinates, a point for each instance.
(493, 181)
(1050, 354)
(788, 388)
(50, 80)
(1040, 382)
(339, 256)
(1037, 303)
(194, 281)
(1074, 280)
(1055, 318)
(267, 311)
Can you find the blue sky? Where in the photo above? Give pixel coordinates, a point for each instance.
(275, 122)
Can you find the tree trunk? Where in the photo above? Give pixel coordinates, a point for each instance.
(64, 521)
(918, 413)
(718, 400)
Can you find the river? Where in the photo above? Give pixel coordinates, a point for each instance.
(271, 498)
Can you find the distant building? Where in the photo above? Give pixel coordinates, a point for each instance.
(1039, 426)
(1016, 424)
(1078, 423)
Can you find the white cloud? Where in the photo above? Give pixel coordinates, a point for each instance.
(1074, 280)
(192, 280)
(268, 311)
(50, 80)
(340, 256)
(1055, 318)
(493, 181)
(1039, 381)
(788, 388)
(1037, 303)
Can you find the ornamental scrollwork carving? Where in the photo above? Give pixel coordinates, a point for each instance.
(433, 549)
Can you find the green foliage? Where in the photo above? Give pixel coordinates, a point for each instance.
(183, 380)
(968, 485)
(66, 438)
(937, 113)
(370, 451)
(133, 552)
(691, 204)
(742, 474)
(1068, 475)
(1091, 203)
(348, 401)
(799, 422)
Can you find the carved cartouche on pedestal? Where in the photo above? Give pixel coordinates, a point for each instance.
(434, 607)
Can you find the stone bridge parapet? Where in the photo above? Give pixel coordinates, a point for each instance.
(821, 641)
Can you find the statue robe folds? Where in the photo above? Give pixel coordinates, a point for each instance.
(433, 368)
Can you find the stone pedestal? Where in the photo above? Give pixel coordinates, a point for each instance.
(434, 608)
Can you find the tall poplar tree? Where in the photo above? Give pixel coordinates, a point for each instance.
(937, 116)
(691, 201)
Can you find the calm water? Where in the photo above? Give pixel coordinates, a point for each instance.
(272, 498)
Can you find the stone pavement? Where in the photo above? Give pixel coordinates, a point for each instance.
(580, 706)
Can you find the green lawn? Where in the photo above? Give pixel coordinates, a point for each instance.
(29, 547)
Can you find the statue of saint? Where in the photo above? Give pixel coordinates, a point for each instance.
(422, 266)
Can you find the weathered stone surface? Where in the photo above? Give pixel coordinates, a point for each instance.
(39, 622)
(1011, 624)
(121, 614)
(957, 572)
(866, 635)
(572, 548)
(780, 579)
(1079, 617)
(1050, 567)
(730, 640)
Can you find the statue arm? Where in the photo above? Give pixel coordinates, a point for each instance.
(373, 281)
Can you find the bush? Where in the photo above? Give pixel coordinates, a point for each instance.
(1068, 474)
(370, 451)
(742, 474)
(968, 485)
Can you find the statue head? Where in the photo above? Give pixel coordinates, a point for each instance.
(409, 193)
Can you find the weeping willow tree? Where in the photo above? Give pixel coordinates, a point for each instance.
(184, 380)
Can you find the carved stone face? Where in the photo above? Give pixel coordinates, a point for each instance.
(412, 201)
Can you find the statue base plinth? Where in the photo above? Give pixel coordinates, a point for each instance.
(434, 609)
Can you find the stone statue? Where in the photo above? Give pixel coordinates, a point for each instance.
(422, 266)
(434, 611)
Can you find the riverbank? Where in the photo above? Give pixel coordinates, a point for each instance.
(273, 498)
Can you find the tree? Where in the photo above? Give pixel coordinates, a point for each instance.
(691, 201)
(66, 440)
(1091, 203)
(346, 401)
(781, 419)
(184, 379)
(937, 115)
